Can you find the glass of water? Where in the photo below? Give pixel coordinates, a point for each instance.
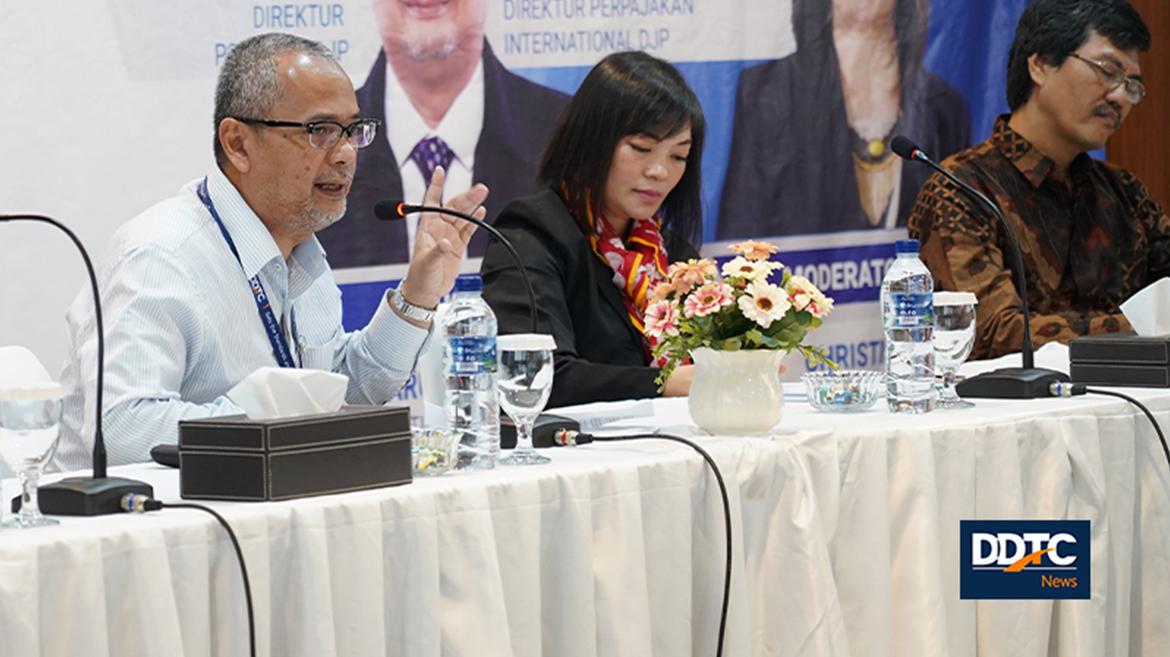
(524, 379)
(954, 335)
(29, 418)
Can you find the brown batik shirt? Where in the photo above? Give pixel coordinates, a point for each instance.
(1087, 244)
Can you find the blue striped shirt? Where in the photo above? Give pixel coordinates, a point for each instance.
(182, 327)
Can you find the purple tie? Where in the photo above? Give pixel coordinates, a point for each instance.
(430, 153)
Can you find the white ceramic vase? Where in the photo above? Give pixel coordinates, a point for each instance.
(736, 392)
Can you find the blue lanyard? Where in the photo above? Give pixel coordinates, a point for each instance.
(280, 348)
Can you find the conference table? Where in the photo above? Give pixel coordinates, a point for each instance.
(845, 542)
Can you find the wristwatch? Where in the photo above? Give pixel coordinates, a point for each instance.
(409, 310)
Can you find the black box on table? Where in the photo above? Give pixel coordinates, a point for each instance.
(1120, 360)
(234, 458)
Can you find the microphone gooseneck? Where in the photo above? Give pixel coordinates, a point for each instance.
(393, 210)
(99, 443)
(906, 149)
(1027, 382)
(98, 495)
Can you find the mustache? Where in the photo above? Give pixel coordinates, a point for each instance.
(1107, 110)
(338, 178)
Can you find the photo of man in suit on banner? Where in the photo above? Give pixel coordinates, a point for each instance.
(443, 99)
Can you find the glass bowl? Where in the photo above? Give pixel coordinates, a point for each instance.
(842, 391)
(433, 451)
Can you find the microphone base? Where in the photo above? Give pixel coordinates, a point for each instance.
(86, 496)
(1011, 383)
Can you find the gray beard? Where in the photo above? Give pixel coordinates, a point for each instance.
(313, 219)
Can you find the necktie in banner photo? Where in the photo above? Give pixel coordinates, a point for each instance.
(430, 153)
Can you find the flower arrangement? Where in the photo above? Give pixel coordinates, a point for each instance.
(696, 307)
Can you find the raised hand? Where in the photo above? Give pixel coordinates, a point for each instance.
(441, 242)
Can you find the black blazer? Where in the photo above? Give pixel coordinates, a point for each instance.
(790, 170)
(517, 118)
(599, 354)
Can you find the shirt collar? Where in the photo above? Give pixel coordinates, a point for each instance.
(1035, 166)
(460, 126)
(254, 243)
(1027, 158)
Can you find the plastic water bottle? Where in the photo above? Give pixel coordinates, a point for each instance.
(467, 327)
(908, 320)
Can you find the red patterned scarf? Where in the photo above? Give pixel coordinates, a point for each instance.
(638, 263)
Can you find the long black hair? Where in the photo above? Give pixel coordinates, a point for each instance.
(627, 93)
(1053, 29)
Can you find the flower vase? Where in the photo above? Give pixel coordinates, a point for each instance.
(736, 392)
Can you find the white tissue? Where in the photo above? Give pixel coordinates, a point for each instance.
(277, 392)
(1149, 309)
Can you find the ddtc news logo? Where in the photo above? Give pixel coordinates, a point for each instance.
(1024, 559)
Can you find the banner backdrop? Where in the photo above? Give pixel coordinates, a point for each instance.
(108, 110)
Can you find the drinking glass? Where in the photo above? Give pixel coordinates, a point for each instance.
(954, 335)
(29, 418)
(523, 382)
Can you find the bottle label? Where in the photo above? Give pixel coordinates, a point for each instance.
(471, 354)
(911, 309)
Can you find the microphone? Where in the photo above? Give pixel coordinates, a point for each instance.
(100, 494)
(393, 210)
(1029, 381)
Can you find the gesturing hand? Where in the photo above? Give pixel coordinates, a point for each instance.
(440, 242)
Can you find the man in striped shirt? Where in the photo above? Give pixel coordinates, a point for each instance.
(227, 276)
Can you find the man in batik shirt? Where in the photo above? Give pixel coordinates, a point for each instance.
(1089, 232)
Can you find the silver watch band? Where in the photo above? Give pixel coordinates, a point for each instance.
(408, 309)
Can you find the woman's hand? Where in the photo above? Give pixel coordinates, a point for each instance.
(679, 382)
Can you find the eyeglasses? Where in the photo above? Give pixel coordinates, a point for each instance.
(1115, 77)
(324, 134)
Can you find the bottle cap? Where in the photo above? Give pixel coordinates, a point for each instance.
(469, 283)
(906, 246)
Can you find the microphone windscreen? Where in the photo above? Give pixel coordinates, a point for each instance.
(903, 147)
(387, 210)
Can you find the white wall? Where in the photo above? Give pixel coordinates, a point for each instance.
(106, 109)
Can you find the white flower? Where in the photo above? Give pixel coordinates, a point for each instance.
(764, 303)
(749, 270)
(805, 296)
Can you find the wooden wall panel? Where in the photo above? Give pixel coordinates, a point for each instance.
(1142, 145)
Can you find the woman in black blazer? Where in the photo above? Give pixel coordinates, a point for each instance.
(634, 130)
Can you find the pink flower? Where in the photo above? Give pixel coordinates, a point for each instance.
(661, 319)
(754, 250)
(690, 274)
(708, 299)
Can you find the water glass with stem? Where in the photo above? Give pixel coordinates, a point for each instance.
(523, 383)
(954, 335)
(30, 415)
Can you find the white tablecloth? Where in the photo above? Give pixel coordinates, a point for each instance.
(611, 550)
(846, 531)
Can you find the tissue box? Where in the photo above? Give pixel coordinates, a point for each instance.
(234, 458)
(1120, 360)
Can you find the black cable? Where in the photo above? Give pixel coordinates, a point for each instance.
(570, 438)
(1157, 429)
(139, 504)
